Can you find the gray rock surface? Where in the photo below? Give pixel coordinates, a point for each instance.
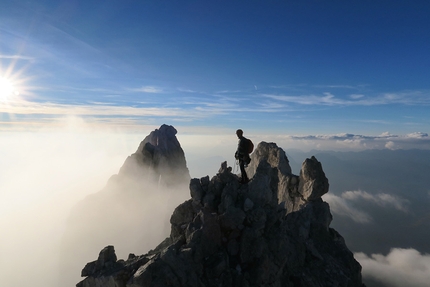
(293, 191)
(274, 231)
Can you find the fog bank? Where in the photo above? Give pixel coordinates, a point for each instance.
(43, 175)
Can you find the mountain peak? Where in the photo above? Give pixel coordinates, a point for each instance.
(159, 158)
(272, 231)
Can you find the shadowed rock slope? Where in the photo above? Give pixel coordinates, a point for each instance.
(273, 231)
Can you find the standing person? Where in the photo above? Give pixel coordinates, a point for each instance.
(242, 155)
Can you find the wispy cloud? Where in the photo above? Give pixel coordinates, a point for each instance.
(148, 89)
(347, 204)
(328, 99)
(356, 96)
(342, 207)
(351, 87)
(99, 109)
(16, 57)
(381, 199)
(187, 90)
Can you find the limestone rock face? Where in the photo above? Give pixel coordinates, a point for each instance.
(313, 183)
(293, 191)
(274, 231)
(274, 155)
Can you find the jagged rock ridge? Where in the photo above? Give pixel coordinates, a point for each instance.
(273, 231)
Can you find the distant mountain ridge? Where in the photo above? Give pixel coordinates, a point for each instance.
(273, 231)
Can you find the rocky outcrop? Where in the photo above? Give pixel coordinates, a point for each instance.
(273, 231)
(293, 191)
(152, 180)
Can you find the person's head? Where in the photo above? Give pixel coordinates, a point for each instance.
(239, 133)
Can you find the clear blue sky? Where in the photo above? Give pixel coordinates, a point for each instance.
(299, 67)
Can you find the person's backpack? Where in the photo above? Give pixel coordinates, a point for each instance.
(250, 146)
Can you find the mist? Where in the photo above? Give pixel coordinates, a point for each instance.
(43, 175)
(46, 175)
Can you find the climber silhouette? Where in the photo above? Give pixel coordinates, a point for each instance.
(242, 155)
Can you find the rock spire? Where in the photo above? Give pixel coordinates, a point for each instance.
(158, 158)
(152, 180)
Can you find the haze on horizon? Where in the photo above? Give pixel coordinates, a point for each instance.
(82, 83)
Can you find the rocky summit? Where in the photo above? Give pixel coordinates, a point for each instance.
(158, 158)
(273, 231)
(156, 174)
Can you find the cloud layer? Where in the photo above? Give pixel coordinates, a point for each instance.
(349, 202)
(349, 141)
(399, 268)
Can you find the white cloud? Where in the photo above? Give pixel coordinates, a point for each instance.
(417, 135)
(340, 86)
(391, 145)
(347, 141)
(399, 268)
(346, 204)
(148, 89)
(385, 134)
(16, 57)
(27, 108)
(381, 199)
(187, 90)
(356, 96)
(342, 207)
(328, 99)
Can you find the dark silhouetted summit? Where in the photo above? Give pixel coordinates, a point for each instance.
(273, 231)
(159, 158)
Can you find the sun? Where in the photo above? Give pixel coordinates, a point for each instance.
(7, 89)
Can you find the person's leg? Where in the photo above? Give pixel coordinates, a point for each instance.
(243, 172)
(242, 169)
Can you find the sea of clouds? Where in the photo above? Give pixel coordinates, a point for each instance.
(44, 173)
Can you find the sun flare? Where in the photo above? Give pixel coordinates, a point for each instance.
(7, 89)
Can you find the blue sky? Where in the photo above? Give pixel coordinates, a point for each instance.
(279, 67)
